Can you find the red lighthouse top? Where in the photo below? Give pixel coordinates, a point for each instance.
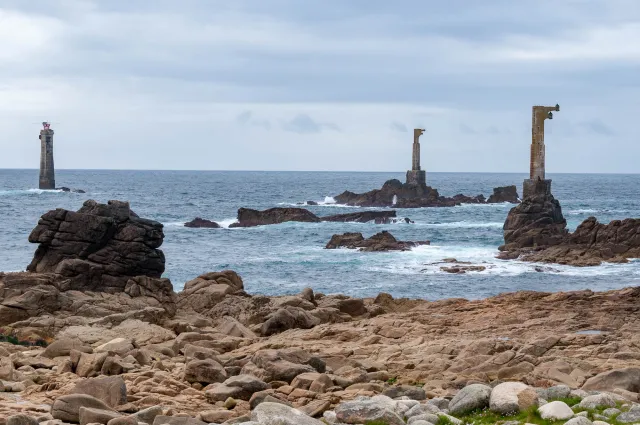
(46, 125)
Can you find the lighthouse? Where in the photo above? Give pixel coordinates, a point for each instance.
(47, 172)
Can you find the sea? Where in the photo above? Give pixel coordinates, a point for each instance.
(285, 258)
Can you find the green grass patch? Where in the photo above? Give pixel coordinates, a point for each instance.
(486, 417)
(15, 341)
(390, 381)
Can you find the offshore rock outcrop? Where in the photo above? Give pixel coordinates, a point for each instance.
(410, 195)
(249, 217)
(383, 241)
(536, 231)
(202, 223)
(101, 247)
(504, 194)
(536, 222)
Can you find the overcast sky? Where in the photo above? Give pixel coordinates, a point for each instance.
(320, 84)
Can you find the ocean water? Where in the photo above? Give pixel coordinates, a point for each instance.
(285, 258)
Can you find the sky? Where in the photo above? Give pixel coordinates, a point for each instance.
(320, 84)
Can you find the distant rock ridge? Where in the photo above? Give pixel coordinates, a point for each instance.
(383, 241)
(249, 217)
(411, 195)
(536, 231)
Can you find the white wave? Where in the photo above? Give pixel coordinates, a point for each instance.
(394, 200)
(227, 222)
(594, 211)
(427, 259)
(328, 200)
(28, 192)
(464, 224)
(174, 224)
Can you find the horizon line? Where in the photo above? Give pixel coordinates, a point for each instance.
(305, 171)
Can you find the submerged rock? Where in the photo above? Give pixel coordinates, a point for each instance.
(201, 222)
(383, 241)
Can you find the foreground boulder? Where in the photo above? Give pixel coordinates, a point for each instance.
(101, 247)
(512, 397)
(471, 397)
(275, 413)
(67, 407)
(383, 241)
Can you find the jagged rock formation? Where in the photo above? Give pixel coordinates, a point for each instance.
(534, 223)
(411, 195)
(100, 247)
(201, 222)
(363, 217)
(504, 194)
(536, 231)
(383, 241)
(592, 243)
(250, 218)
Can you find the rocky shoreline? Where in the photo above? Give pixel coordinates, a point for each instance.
(101, 344)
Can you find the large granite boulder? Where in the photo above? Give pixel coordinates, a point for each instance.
(383, 241)
(205, 291)
(101, 247)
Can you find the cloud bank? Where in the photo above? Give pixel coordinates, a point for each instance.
(319, 85)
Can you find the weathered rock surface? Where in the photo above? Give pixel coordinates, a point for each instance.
(415, 196)
(100, 247)
(536, 231)
(471, 397)
(512, 397)
(362, 217)
(250, 218)
(202, 223)
(504, 194)
(383, 241)
(536, 222)
(556, 411)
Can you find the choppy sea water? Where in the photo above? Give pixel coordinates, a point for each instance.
(283, 259)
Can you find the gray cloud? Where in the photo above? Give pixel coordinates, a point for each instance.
(596, 126)
(246, 119)
(397, 126)
(465, 129)
(244, 71)
(304, 124)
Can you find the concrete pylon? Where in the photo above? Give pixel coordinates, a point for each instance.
(416, 175)
(47, 171)
(537, 160)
